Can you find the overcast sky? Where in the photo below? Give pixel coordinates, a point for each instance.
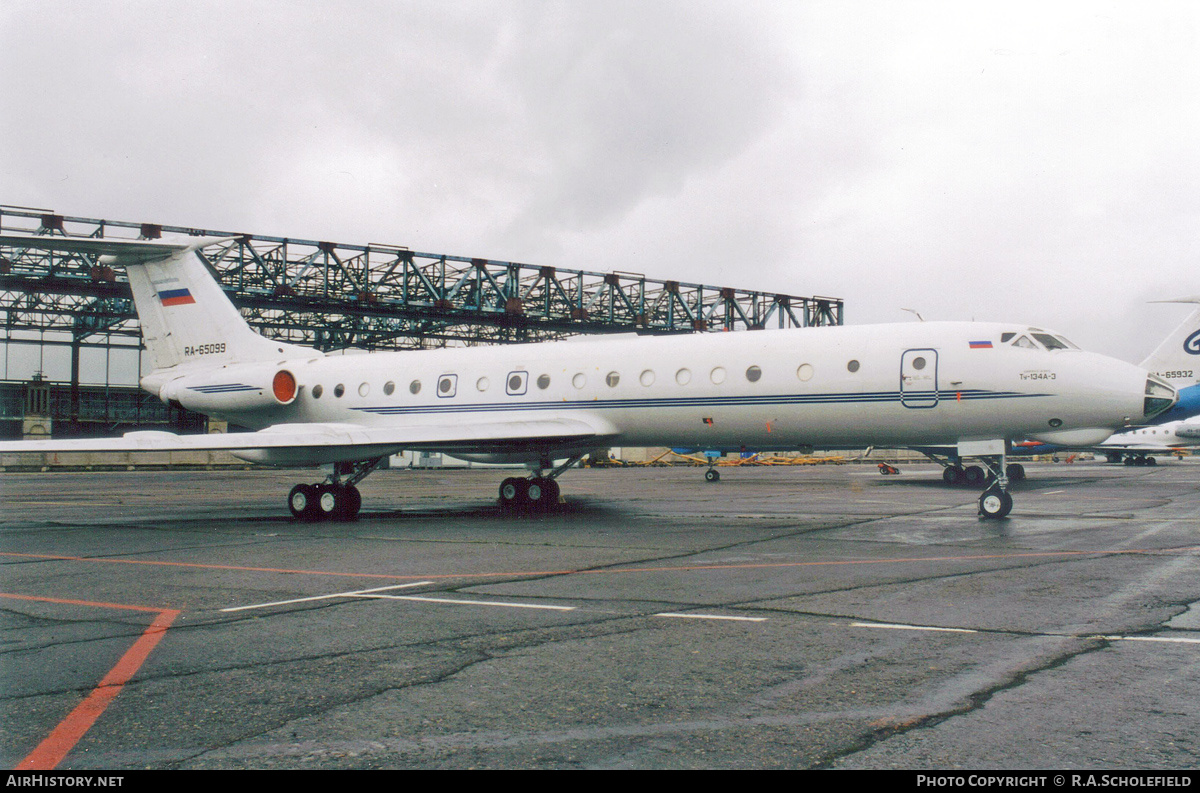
(1034, 162)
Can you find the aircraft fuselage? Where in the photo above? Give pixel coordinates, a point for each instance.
(906, 384)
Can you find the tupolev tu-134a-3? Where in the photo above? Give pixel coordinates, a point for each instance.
(546, 405)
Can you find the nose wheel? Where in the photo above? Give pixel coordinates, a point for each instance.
(995, 503)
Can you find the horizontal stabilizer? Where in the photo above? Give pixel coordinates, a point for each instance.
(126, 251)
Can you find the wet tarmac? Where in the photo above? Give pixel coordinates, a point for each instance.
(784, 617)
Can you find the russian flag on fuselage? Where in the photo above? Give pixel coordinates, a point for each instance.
(980, 345)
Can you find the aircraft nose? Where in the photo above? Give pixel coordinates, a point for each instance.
(1160, 397)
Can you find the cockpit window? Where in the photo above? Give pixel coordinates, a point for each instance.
(1005, 338)
(1024, 341)
(1052, 342)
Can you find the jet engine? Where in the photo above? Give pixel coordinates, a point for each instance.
(232, 389)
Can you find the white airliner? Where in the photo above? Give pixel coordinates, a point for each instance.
(547, 405)
(1138, 447)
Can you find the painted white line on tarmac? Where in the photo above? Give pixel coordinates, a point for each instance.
(895, 627)
(709, 617)
(356, 593)
(1161, 639)
(454, 602)
(1166, 639)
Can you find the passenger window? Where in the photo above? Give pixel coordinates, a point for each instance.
(579, 380)
(543, 381)
(516, 383)
(683, 377)
(852, 366)
(805, 372)
(317, 390)
(717, 375)
(482, 384)
(753, 374)
(918, 363)
(414, 387)
(612, 379)
(647, 378)
(447, 385)
(389, 388)
(338, 390)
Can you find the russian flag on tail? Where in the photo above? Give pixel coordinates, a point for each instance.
(176, 297)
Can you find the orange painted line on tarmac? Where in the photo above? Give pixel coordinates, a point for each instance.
(63, 738)
(609, 571)
(13, 596)
(241, 568)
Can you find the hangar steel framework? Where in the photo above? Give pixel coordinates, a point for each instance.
(335, 296)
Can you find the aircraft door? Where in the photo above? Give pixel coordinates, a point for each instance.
(918, 378)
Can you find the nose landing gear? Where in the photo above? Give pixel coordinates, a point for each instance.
(995, 502)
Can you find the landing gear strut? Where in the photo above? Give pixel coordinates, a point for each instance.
(336, 498)
(995, 501)
(537, 493)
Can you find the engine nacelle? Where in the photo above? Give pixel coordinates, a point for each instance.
(232, 389)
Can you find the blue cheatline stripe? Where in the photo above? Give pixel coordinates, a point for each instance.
(728, 401)
(227, 388)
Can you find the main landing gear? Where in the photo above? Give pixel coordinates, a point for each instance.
(336, 498)
(534, 494)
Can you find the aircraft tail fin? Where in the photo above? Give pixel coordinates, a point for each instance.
(1180, 352)
(184, 313)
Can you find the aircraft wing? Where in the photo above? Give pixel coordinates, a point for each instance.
(315, 443)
